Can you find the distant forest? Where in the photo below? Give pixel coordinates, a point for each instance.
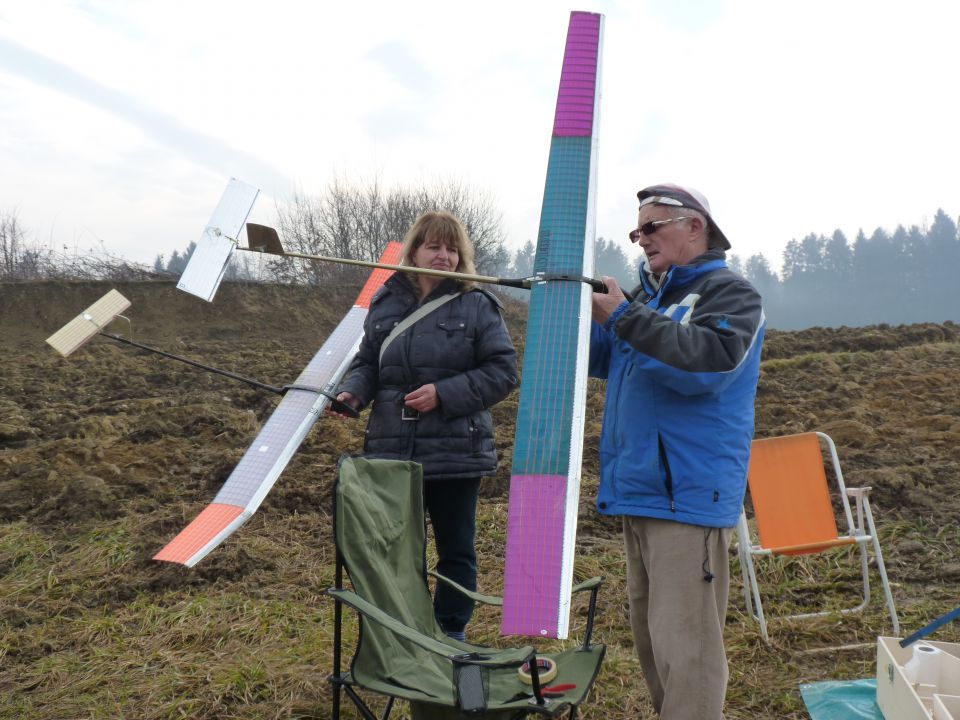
(907, 277)
(910, 276)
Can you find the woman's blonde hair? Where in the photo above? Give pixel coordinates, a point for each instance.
(446, 228)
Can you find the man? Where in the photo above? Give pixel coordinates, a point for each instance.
(681, 359)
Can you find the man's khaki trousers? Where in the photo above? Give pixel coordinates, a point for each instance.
(678, 579)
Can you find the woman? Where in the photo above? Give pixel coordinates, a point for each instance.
(432, 386)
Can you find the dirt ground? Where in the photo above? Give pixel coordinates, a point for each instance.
(116, 440)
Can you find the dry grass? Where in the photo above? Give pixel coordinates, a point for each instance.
(104, 457)
(78, 641)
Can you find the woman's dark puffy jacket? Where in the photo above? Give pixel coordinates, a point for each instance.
(464, 349)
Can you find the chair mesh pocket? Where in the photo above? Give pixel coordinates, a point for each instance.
(473, 687)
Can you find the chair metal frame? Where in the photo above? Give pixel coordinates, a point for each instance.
(861, 531)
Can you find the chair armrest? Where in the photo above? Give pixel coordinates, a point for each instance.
(588, 584)
(495, 658)
(371, 611)
(478, 597)
(592, 584)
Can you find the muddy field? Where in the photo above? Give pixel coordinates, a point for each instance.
(106, 455)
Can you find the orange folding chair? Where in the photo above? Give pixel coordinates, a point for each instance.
(794, 516)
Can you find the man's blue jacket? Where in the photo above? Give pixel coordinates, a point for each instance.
(681, 362)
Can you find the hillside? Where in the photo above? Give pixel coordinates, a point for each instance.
(105, 456)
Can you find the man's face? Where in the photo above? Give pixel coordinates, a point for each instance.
(673, 243)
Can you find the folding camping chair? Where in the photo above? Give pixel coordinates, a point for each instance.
(794, 516)
(401, 652)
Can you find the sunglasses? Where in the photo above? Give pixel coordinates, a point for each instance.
(649, 228)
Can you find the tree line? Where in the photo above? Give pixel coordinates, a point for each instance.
(23, 259)
(895, 278)
(907, 276)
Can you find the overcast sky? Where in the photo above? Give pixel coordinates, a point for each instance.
(122, 120)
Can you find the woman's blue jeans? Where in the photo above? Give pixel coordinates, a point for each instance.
(452, 507)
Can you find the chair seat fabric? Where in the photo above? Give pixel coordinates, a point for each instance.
(401, 651)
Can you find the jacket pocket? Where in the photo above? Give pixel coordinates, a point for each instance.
(383, 327)
(480, 428)
(447, 342)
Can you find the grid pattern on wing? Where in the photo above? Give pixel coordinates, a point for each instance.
(340, 346)
(564, 211)
(545, 415)
(544, 420)
(88, 323)
(212, 520)
(289, 424)
(576, 99)
(536, 503)
(265, 459)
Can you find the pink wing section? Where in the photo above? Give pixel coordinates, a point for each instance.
(534, 563)
(576, 101)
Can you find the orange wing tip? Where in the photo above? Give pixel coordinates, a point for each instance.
(211, 522)
(391, 256)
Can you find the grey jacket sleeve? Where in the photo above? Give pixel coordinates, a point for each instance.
(361, 378)
(703, 353)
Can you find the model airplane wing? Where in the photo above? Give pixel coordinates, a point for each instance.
(282, 434)
(548, 449)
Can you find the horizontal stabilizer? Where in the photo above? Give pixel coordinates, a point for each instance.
(76, 333)
(210, 257)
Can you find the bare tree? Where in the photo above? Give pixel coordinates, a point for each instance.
(357, 220)
(12, 246)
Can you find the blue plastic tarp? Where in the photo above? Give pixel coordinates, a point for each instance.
(842, 700)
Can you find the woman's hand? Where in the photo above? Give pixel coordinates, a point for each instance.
(423, 399)
(347, 399)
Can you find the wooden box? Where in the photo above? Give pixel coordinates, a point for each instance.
(901, 696)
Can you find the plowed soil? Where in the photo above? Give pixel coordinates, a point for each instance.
(114, 441)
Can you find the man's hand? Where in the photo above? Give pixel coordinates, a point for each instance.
(424, 398)
(605, 304)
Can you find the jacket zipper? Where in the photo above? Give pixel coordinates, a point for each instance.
(668, 480)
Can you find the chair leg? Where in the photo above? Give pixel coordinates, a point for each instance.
(865, 578)
(750, 586)
(743, 545)
(746, 585)
(882, 568)
(387, 708)
(337, 639)
(360, 704)
(756, 597)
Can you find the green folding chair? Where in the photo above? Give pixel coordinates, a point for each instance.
(401, 652)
